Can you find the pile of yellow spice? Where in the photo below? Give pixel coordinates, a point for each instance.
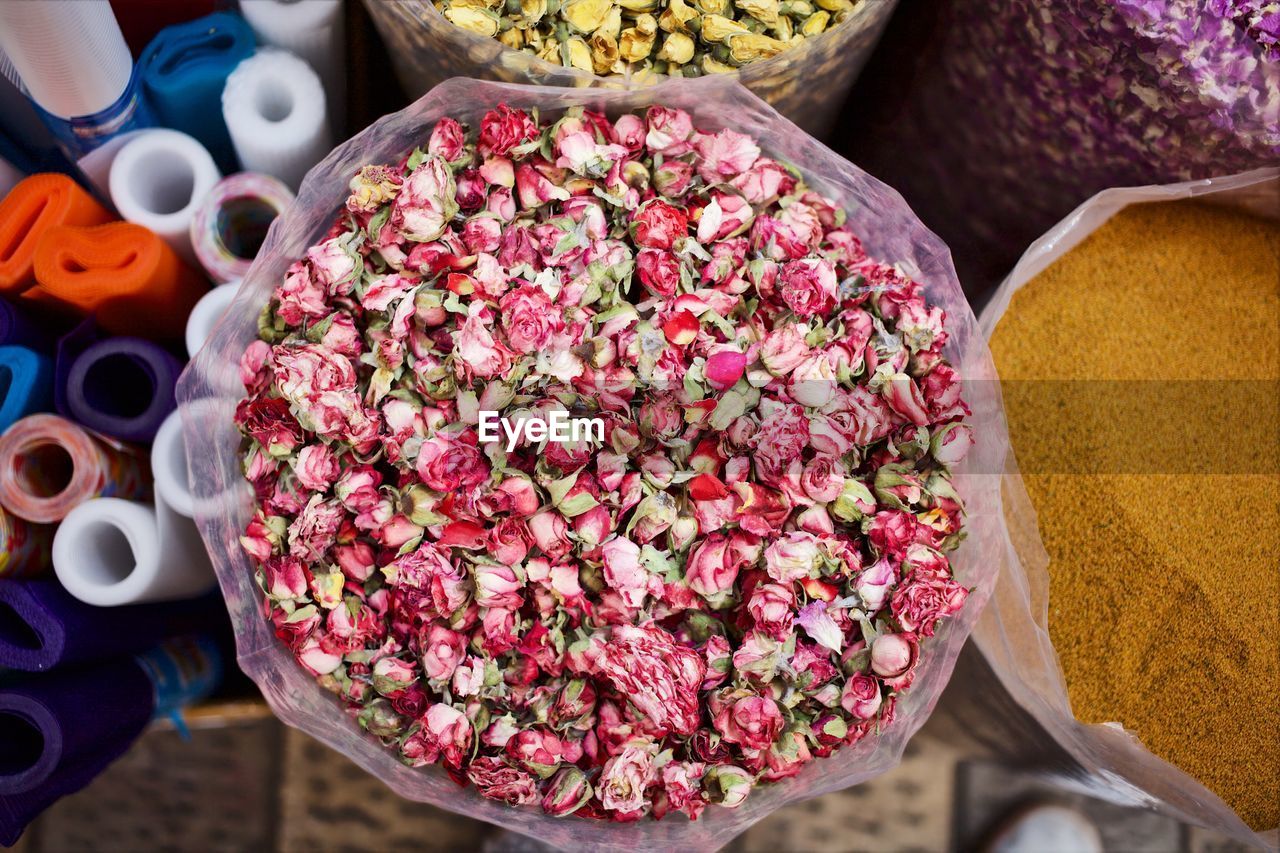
(668, 37)
(1142, 377)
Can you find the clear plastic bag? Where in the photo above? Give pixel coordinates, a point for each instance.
(1102, 760)
(806, 83)
(210, 389)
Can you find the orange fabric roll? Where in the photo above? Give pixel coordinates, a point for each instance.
(123, 274)
(31, 208)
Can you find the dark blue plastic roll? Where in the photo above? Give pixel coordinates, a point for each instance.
(184, 70)
(26, 384)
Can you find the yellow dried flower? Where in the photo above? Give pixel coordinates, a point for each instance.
(638, 5)
(713, 7)
(576, 54)
(612, 25)
(765, 11)
(677, 48)
(647, 24)
(634, 45)
(512, 38)
(835, 5)
(784, 29)
(676, 16)
(586, 16)
(712, 66)
(479, 21)
(717, 28)
(533, 10)
(815, 24)
(604, 53)
(550, 51)
(751, 47)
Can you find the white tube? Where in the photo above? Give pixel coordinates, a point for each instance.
(275, 112)
(70, 54)
(109, 552)
(158, 180)
(169, 466)
(312, 30)
(206, 314)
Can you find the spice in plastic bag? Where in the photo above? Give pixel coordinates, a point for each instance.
(1163, 586)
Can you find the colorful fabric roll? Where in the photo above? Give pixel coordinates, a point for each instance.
(26, 384)
(123, 274)
(231, 224)
(49, 465)
(60, 730)
(24, 547)
(122, 388)
(54, 629)
(30, 210)
(19, 329)
(184, 70)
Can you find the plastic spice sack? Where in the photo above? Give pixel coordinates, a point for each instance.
(1028, 107)
(211, 387)
(807, 83)
(1102, 760)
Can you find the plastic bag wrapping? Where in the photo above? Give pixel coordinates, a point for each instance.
(210, 389)
(1101, 760)
(1023, 109)
(806, 83)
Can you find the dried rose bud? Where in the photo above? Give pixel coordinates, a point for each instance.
(727, 785)
(568, 792)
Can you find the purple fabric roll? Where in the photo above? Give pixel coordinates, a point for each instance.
(120, 387)
(20, 329)
(42, 626)
(60, 730)
(69, 347)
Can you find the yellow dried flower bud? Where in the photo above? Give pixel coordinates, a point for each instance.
(478, 21)
(638, 5)
(634, 45)
(676, 16)
(645, 77)
(835, 5)
(711, 66)
(612, 25)
(797, 8)
(586, 16)
(470, 4)
(533, 10)
(512, 38)
(713, 7)
(764, 11)
(647, 24)
(784, 29)
(751, 47)
(815, 24)
(576, 54)
(717, 28)
(604, 53)
(678, 48)
(550, 51)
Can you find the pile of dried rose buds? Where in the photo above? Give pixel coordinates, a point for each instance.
(739, 577)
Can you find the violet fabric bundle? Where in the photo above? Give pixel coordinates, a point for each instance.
(120, 387)
(46, 627)
(18, 328)
(58, 731)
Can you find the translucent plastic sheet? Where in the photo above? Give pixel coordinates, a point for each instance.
(806, 83)
(210, 389)
(1104, 760)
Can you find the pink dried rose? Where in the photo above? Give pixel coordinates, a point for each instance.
(657, 618)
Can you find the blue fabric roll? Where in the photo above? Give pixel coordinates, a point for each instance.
(184, 70)
(26, 384)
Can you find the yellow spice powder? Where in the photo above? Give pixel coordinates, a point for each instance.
(1158, 493)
